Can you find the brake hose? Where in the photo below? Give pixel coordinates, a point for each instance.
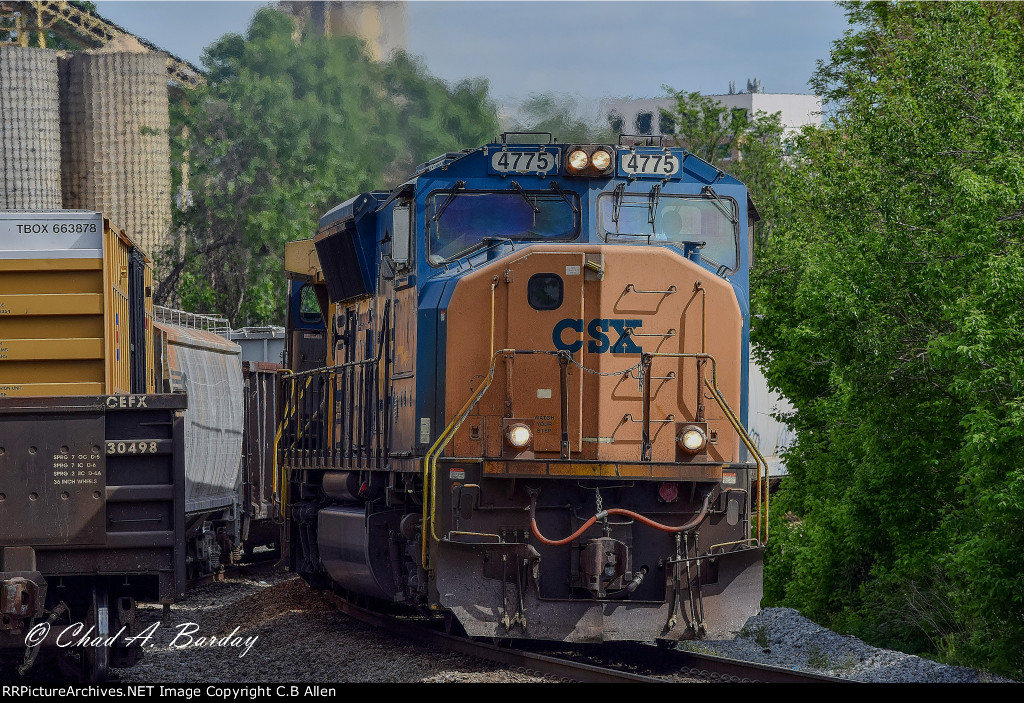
(614, 511)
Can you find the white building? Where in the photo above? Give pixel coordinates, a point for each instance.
(770, 436)
(643, 115)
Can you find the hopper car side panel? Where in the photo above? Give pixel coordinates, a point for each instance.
(92, 512)
(207, 367)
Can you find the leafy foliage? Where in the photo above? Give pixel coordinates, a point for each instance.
(289, 125)
(892, 296)
(749, 147)
(560, 115)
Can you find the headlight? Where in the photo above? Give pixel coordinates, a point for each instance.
(692, 439)
(578, 160)
(519, 436)
(601, 159)
(590, 160)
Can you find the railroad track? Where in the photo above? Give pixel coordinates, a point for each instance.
(615, 662)
(710, 667)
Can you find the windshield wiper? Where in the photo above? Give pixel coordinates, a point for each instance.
(652, 205)
(708, 191)
(648, 235)
(519, 189)
(617, 203)
(459, 185)
(565, 196)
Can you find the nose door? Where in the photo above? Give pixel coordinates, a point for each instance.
(545, 313)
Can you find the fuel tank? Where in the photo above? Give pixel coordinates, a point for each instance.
(358, 552)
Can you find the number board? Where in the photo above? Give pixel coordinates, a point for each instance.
(525, 160)
(651, 163)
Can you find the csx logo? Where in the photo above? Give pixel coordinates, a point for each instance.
(600, 342)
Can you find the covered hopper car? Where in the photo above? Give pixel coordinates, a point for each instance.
(121, 436)
(528, 416)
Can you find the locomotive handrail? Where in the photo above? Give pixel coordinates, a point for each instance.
(433, 454)
(762, 474)
(280, 483)
(430, 459)
(750, 542)
(762, 465)
(328, 369)
(323, 413)
(632, 287)
(506, 135)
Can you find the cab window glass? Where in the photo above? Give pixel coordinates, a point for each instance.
(545, 291)
(309, 306)
(678, 219)
(459, 223)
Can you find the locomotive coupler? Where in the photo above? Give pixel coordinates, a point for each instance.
(603, 562)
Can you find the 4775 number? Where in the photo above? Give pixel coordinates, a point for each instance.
(523, 161)
(650, 164)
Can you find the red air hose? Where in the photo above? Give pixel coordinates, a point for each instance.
(615, 511)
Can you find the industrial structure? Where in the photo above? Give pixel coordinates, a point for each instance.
(87, 129)
(382, 25)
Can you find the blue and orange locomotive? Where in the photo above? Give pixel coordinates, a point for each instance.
(529, 413)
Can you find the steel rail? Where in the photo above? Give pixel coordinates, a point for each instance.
(755, 672)
(668, 662)
(677, 662)
(525, 662)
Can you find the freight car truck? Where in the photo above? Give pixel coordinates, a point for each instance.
(92, 469)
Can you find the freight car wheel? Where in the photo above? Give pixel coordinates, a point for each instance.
(96, 660)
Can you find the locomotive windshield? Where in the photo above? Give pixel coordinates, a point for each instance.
(677, 219)
(461, 220)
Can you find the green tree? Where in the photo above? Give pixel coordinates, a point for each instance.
(892, 303)
(749, 147)
(560, 114)
(286, 127)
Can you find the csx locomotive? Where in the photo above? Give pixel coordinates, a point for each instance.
(528, 419)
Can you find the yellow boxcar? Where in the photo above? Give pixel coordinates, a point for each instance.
(76, 307)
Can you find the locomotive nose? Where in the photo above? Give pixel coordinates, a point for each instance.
(595, 353)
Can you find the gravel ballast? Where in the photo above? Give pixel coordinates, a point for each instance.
(269, 627)
(783, 637)
(300, 637)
